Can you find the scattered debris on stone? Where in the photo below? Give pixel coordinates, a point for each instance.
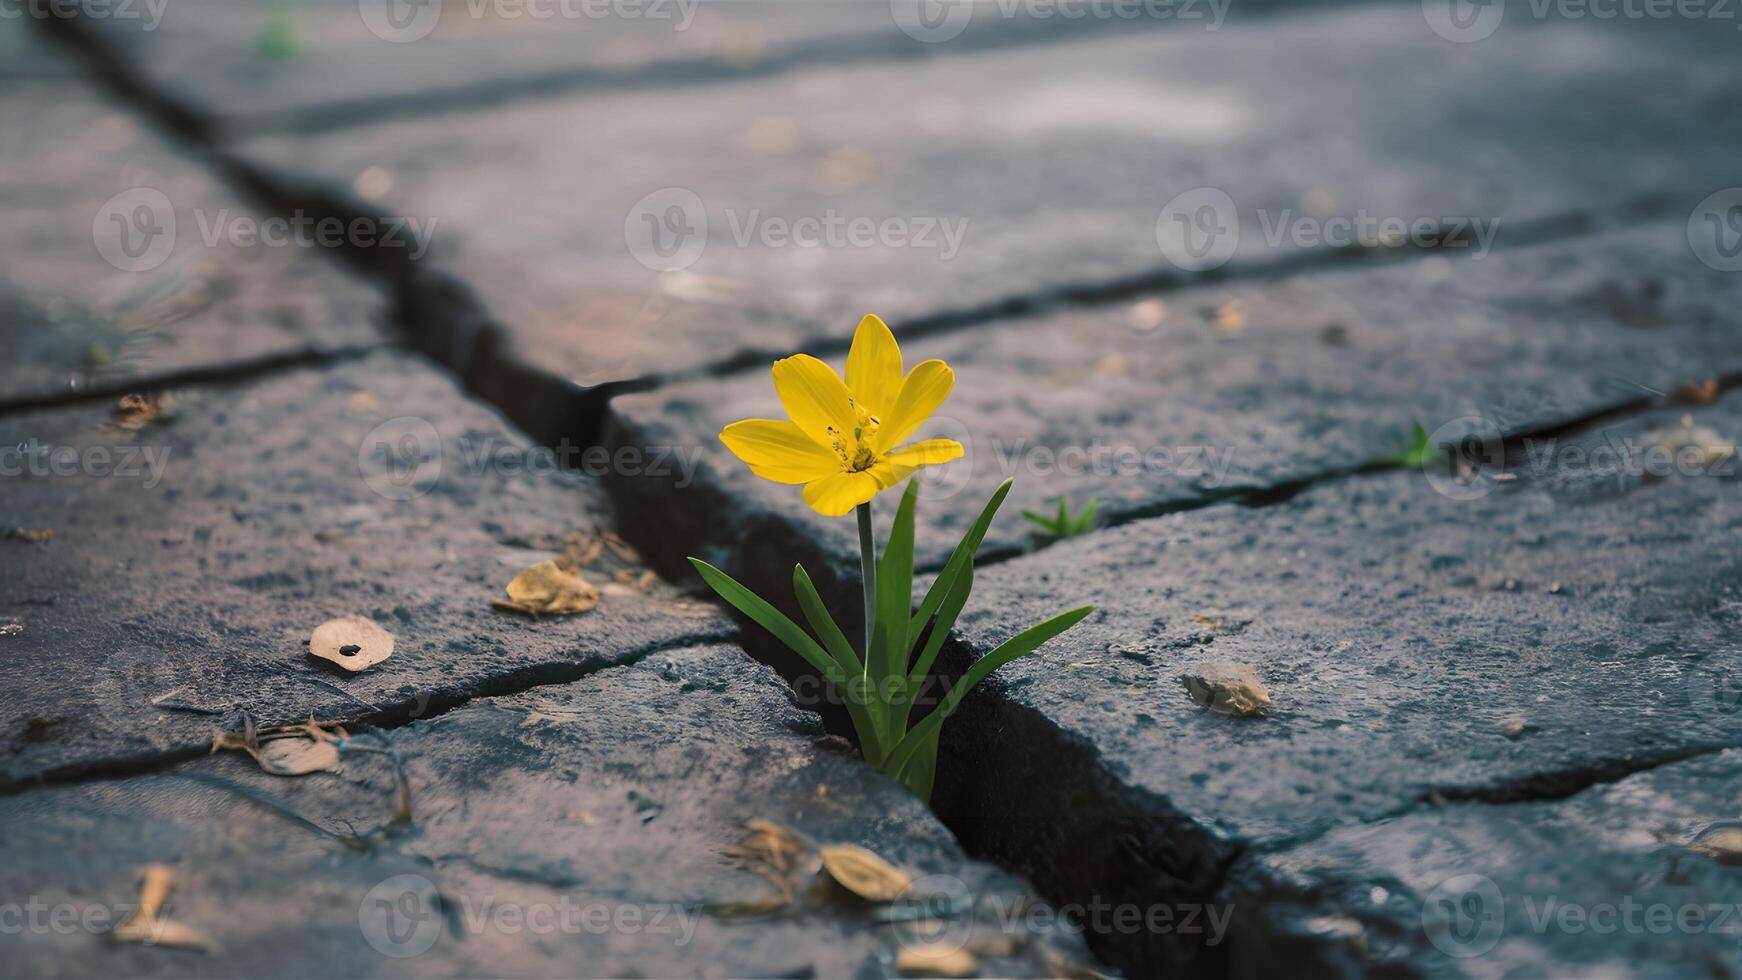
(353, 642)
(771, 852)
(1228, 689)
(365, 405)
(1702, 392)
(286, 750)
(138, 411)
(27, 534)
(1705, 446)
(1229, 318)
(1721, 844)
(936, 960)
(548, 589)
(864, 873)
(1147, 315)
(148, 926)
(11, 629)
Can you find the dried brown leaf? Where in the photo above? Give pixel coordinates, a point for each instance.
(1228, 689)
(1721, 844)
(621, 548)
(547, 589)
(27, 533)
(864, 873)
(353, 642)
(936, 960)
(138, 411)
(148, 926)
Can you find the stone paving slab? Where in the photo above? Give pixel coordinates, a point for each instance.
(1325, 373)
(1515, 647)
(121, 262)
(191, 559)
(652, 231)
(612, 796)
(1610, 882)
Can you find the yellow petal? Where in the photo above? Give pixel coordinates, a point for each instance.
(927, 453)
(838, 493)
(779, 451)
(874, 366)
(924, 389)
(815, 397)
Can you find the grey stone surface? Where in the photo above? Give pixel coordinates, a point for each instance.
(1327, 373)
(84, 185)
(1609, 882)
(191, 559)
(1573, 625)
(318, 63)
(609, 797)
(1059, 158)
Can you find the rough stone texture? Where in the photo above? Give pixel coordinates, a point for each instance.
(616, 792)
(232, 60)
(272, 509)
(1059, 157)
(1327, 373)
(70, 319)
(1609, 882)
(1575, 624)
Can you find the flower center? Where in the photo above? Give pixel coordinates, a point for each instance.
(854, 448)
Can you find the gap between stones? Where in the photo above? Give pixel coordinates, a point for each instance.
(1082, 836)
(394, 714)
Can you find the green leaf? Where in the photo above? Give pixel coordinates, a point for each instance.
(797, 640)
(823, 624)
(1017, 646)
(960, 558)
(894, 595)
(941, 626)
(922, 767)
(1064, 518)
(1046, 523)
(1085, 522)
(770, 619)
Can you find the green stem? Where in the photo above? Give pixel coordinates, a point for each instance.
(868, 572)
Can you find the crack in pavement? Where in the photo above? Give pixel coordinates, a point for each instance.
(394, 714)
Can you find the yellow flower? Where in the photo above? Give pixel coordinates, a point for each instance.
(841, 441)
